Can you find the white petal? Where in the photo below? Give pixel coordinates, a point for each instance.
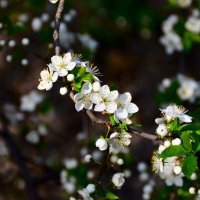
(78, 97)
(100, 107)
(113, 95)
(86, 88)
(105, 91)
(131, 108)
(178, 181)
(44, 74)
(185, 118)
(160, 120)
(125, 98)
(71, 66)
(56, 60)
(42, 85)
(63, 72)
(111, 107)
(53, 1)
(79, 105)
(88, 105)
(55, 77)
(49, 85)
(121, 113)
(95, 98)
(67, 58)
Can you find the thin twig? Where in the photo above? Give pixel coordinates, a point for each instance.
(57, 26)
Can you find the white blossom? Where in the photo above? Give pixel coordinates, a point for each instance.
(48, 77)
(70, 77)
(90, 188)
(118, 179)
(157, 164)
(63, 90)
(105, 100)
(25, 41)
(189, 89)
(192, 190)
(70, 163)
(172, 112)
(82, 99)
(177, 170)
(169, 23)
(24, 62)
(33, 137)
(172, 42)
(193, 24)
(101, 144)
(175, 180)
(184, 3)
(53, 1)
(162, 130)
(142, 166)
(124, 107)
(176, 141)
(36, 24)
(119, 140)
(62, 65)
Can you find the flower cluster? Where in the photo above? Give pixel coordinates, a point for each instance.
(171, 40)
(185, 88)
(169, 162)
(116, 141)
(180, 33)
(91, 95)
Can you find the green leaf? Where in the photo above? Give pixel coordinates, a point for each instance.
(186, 137)
(190, 127)
(189, 165)
(174, 125)
(81, 72)
(112, 120)
(87, 78)
(77, 86)
(111, 196)
(173, 150)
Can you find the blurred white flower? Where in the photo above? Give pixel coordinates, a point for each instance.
(87, 41)
(36, 24)
(101, 144)
(33, 137)
(193, 24)
(184, 3)
(30, 101)
(118, 179)
(53, 1)
(172, 42)
(70, 163)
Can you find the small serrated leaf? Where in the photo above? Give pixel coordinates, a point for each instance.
(111, 196)
(173, 150)
(189, 165)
